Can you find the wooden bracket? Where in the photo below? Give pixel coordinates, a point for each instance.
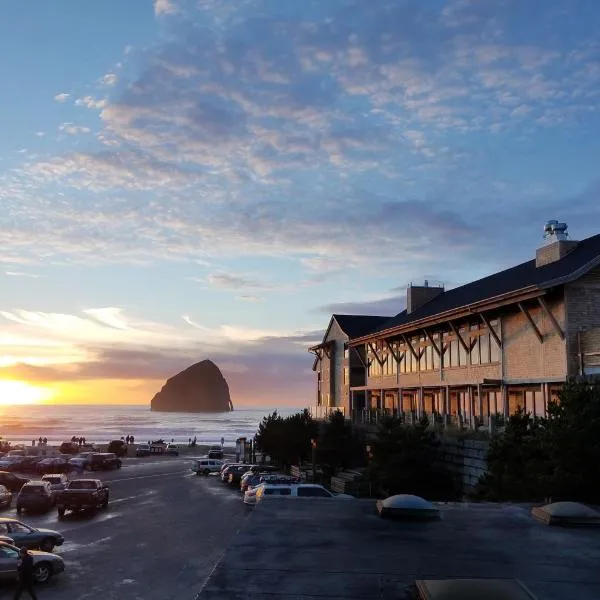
(529, 318)
(432, 341)
(362, 362)
(459, 337)
(397, 357)
(374, 351)
(552, 318)
(492, 331)
(327, 350)
(410, 347)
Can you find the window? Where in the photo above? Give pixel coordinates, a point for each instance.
(453, 350)
(3, 529)
(276, 491)
(313, 492)
(8, 553)
(484, 348)
(540, 409)
(19, 528)
(529, 408)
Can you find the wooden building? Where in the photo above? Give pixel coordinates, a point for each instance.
(474, 354)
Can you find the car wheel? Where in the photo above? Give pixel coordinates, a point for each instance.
(206, 473)
(46, 545)
(42, 572)
(105, 503)
(61, 513)
(19, 509)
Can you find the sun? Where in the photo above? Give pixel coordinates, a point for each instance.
(20, 392)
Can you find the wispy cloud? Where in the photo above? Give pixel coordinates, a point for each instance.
(230, 281)
(110, 79)
(165, 7)
(62, 97)
(90, 102)
(73, 129)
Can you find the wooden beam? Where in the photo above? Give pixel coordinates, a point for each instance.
(529, 318)
(491, 330)
(381, 362)
(362, 362)
(553, 320)
(397, 357)
(412, 350)
(459, 337)
(431, 340)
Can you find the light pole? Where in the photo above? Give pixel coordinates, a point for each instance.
(313, 444)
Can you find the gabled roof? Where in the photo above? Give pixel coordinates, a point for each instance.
(359, 325)
(526, 276)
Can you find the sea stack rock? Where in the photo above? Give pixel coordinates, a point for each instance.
(199, 388)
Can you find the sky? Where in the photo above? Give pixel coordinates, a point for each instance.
(190, 179)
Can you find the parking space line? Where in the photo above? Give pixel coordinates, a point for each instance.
(171, 473)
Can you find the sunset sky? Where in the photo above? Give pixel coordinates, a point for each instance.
(196, 179)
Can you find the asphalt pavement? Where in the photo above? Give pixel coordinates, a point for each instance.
(162, 534)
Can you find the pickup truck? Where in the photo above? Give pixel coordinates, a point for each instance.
(82, 494)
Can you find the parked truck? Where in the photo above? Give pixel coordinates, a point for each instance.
(82, 494)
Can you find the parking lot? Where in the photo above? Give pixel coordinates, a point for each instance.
(162, 534)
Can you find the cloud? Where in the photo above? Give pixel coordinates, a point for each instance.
(90, 102)
(230, 281)
(22, 274)
(388, 306)
(165, 7)
(72, 129)
(110, 79)
(63, 97)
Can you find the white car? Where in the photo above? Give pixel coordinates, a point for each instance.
(57, 481)
(290, 490)
(206, 466)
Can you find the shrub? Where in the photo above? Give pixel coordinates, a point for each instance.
(405, 461)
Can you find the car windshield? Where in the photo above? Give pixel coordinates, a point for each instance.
(82, 485)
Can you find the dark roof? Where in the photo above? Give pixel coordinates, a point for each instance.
(358, 325)
(526, 275)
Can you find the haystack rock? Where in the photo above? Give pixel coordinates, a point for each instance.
(200, 388)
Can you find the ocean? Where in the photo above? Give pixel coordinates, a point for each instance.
(102, 423)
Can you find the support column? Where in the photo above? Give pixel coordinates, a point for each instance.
(505, 401)
(400, 402)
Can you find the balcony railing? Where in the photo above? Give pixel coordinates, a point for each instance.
(322, 413)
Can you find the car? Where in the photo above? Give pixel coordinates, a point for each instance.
(81, 461)
(11, 463)
(5, 497)
(69, 448)
(54, 464)
(35, 496)
(30, 537)
(118, 447)
(292, 490)
(234, 474)
(142, 450)
(205, 465)
(29, 463)
(57, 481)
(172, 450)
(45, 564)
(215, 452)
(104, 461)
(255, 478)
(11, 481)
(82, 494)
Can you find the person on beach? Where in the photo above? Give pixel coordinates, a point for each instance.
(132, 439)
(26, 575)
(45, 441)
(127, 440)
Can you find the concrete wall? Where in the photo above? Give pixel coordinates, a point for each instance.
(583, 314)
(465, 459)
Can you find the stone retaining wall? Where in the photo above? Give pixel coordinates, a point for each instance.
(465, 459)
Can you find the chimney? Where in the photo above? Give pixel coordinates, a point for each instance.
(418, 295)
(556, 244)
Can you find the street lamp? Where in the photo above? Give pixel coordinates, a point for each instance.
(313, 444)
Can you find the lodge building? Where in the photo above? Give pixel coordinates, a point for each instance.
(474, 354)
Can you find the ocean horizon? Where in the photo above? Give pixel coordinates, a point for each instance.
(100, 423)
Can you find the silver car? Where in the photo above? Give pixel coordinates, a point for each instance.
(45, 564)
(57, 481)
(5, 497)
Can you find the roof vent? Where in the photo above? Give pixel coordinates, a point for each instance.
(407, 507)
(566, 513)
(555, 231)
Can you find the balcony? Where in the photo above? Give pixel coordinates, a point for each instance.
(321, 413)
